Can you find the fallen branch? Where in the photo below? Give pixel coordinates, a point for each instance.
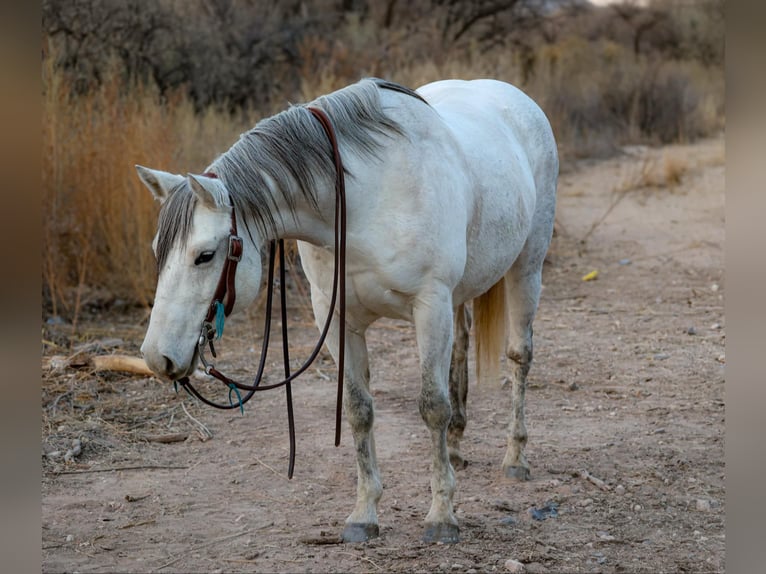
(114, 468)
(593, 480)
(140, 523)
(166, 438)
(321, 540)
(121, 363)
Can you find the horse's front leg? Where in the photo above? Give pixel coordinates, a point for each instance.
(362, 523)
(433, 322)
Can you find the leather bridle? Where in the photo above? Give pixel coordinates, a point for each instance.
(225, 296)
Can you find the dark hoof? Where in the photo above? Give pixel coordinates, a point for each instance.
(517, 472)
(358, 532)
(444, 533)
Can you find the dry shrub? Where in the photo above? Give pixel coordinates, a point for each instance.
(674, 168)
(599, 92)
(98, 219)
(600, 96)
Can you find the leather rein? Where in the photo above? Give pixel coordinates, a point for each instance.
(225, 296)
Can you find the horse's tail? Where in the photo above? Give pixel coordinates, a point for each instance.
(489, 330)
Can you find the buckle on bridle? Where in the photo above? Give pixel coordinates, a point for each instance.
(235, 248)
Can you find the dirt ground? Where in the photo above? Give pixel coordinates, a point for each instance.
(627, 386)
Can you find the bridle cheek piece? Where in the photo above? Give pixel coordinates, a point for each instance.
(224, 297)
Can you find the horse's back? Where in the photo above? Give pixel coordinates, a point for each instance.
(478, 110)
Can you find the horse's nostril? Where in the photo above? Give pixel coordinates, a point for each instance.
(170, 366)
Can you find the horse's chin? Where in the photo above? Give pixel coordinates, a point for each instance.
(191, 368)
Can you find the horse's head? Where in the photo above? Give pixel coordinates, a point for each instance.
(191, 247)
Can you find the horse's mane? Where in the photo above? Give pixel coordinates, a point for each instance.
(284, 151)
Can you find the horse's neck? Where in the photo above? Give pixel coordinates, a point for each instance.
(304, 221)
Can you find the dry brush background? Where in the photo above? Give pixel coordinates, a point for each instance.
(171, 84)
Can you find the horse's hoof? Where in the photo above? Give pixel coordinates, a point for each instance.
(517, 472)
(360, 532)
(457, 461)
(445, 533)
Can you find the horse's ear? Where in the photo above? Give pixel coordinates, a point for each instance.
(209, 190)
(160, 183)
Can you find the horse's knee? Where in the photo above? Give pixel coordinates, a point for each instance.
(435, 408)
(360, 410)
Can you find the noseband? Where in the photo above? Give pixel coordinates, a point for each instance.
(225, 296)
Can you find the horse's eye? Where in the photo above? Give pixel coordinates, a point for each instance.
(204, 257)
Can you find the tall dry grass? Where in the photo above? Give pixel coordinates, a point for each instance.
(97, 219)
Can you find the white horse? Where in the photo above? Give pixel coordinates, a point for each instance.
(450, 198)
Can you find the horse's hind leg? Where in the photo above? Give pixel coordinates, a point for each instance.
(458, 386)
(433, 323)
(362, 523)
(522, 295)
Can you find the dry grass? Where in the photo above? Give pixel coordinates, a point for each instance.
(673, 169)
(98, 220)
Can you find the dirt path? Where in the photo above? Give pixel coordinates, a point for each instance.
(627, 385)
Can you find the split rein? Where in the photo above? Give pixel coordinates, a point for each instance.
(225, 294)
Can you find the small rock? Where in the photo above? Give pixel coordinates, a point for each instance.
(550, 510)
(585, 502)
(619, 490)
(691, 330)
(625, 261)
(637, 507)
(715, 326)
(471, 571)
(661, 356)
(508, 521)
(514, 565)
(605, 536)
(600, 558)
(69, 537)
(714, 287)
(457, 566)
(703, 505)
(721, 358)
(535, 568)
(573, 386)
